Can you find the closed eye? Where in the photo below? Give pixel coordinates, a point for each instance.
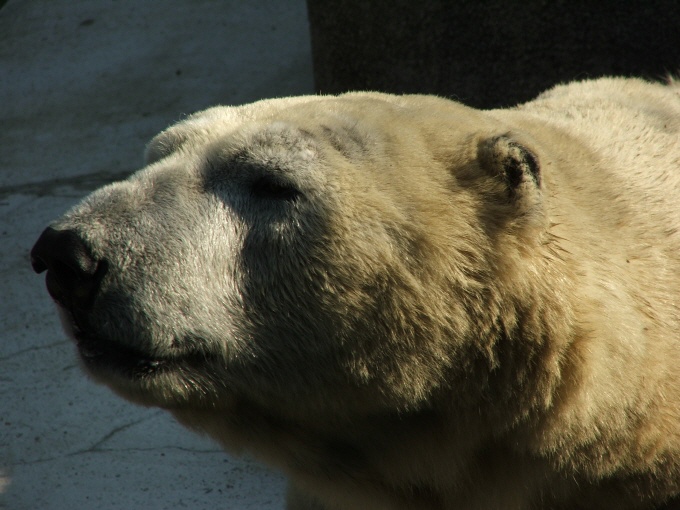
(273, 188)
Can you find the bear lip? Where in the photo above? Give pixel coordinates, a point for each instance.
(100, 354)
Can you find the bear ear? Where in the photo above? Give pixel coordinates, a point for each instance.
(512, 162)
(162, 145)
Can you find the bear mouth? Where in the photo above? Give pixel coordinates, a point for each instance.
(99, 355)
(106, 356)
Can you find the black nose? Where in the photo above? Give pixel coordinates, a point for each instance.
(73, 274)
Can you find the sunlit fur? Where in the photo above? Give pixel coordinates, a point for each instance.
(432, 307)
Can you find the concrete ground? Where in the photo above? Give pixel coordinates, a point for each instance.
(83, 85)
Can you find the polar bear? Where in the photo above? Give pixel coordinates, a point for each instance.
(400, 301)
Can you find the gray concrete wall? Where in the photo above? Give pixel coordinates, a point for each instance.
(83, 85)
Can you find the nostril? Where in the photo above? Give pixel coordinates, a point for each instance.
(38, 264)
(63, 251)
(73, 273)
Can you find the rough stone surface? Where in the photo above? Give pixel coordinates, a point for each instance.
(83, 86)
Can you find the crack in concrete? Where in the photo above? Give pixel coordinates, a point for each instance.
(95, 447)
(155, 448)
(85, 182)
(31, 349)
(87, 451)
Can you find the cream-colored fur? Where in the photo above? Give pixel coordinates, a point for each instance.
(405, 303)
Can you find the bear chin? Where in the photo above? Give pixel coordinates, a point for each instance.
(136, 375)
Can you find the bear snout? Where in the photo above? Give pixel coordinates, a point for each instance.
(73, 273)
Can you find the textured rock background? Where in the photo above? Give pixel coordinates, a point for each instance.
(84, 84)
